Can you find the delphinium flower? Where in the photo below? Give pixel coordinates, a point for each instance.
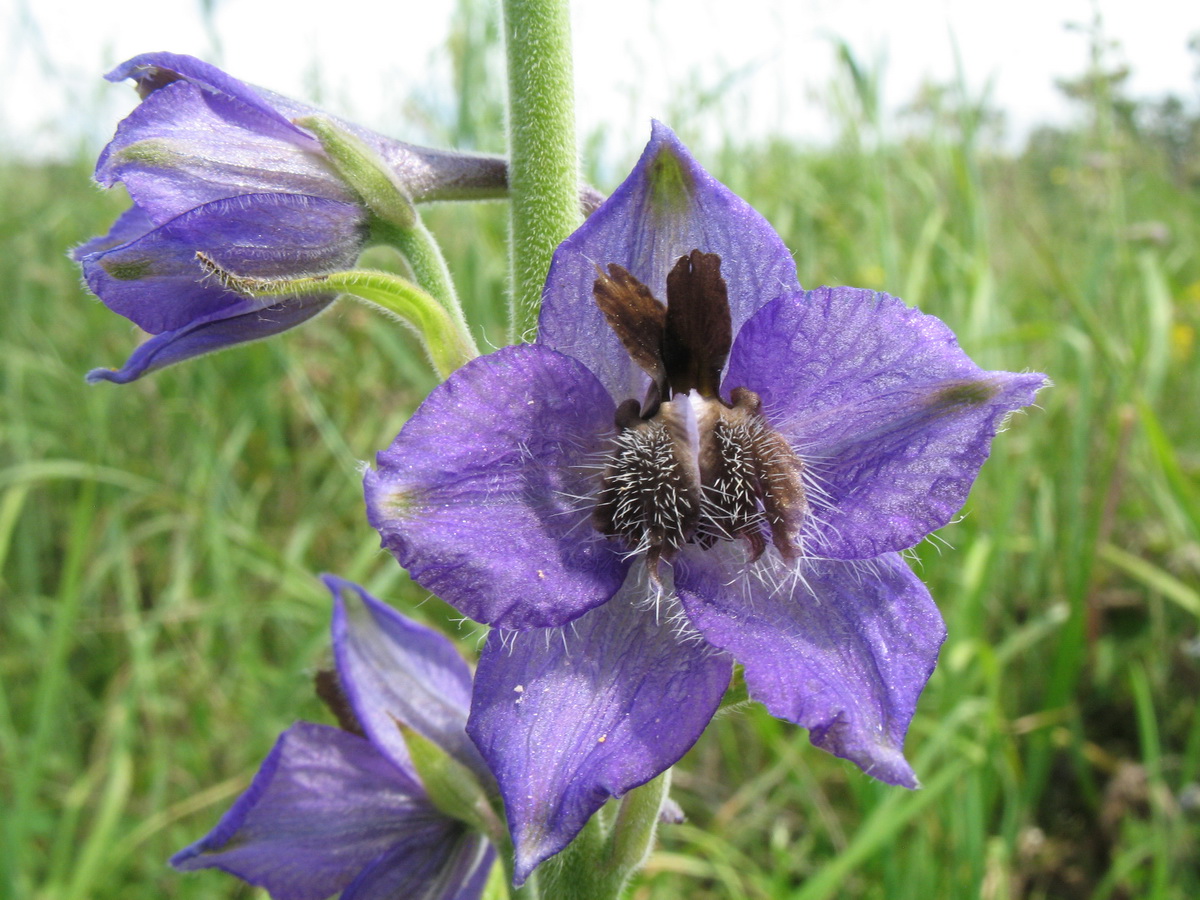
(216, 166)
(344, 809)
(654, 490)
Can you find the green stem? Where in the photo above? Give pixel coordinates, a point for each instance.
(636, 826)
(428, 265)
(598, 864)
(531, 889)
(449, 345)
(394, 218)
(579, 871)
(543, 167)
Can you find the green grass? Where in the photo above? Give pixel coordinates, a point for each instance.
(160, 620)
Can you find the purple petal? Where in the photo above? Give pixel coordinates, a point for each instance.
(184, 147)
(324, 805)
(485, 495)
(394, 670)
(570, 717)
(666, 208)
(842, 649)
(208, 336)
(893, 419)
(148, 71)
(426, 173)
(156, 281)
(419, 869)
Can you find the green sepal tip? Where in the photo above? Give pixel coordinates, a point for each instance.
(451, 786)
(366, 174)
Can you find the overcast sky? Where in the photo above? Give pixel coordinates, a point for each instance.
(635, 59)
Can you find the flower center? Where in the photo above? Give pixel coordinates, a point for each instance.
(687, 465)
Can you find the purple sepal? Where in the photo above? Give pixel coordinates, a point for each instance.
(153, 71)
(425, 173)
(843, 649)
(892, 418)
(208, 336)
(483, 496)
(156, 281)
(570, 717)
(395, 671)
(183, 147)
(667, 207)
(324, 806)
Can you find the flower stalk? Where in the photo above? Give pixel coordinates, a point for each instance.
(447, 342)
(426, 263)
(543, 166)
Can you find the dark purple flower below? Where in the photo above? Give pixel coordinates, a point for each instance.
(333, 811)
(654, 490)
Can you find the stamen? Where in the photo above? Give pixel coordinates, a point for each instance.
(687, 466)
(650, 496)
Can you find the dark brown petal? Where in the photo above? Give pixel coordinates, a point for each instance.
(329, 690)
(636, 317)
(699, 332)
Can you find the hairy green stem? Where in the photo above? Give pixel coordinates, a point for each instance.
(394, 218)
(543, 175)
(634, 831)
(428, 265)
(449, 345)
(599, 863)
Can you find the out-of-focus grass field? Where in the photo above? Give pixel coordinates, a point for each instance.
(160, 619)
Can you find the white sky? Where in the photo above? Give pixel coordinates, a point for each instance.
(635, 59)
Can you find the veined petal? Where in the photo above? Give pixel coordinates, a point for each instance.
(440, 864)
(153, 71)
(324, 805)
(426, 173)
(396, 671)
(570, 717)
(843, 649)
(667, 207)
(485, 495)
(214, 333)
(156, 281)
(891, 417)
(183, 147)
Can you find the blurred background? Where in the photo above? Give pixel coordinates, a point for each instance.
(1030, 173)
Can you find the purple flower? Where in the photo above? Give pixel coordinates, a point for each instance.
(652, 491)
(215, 165)
(331, 810)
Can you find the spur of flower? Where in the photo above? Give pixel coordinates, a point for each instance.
(216, 166)
(696, 463)
(344, 809)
